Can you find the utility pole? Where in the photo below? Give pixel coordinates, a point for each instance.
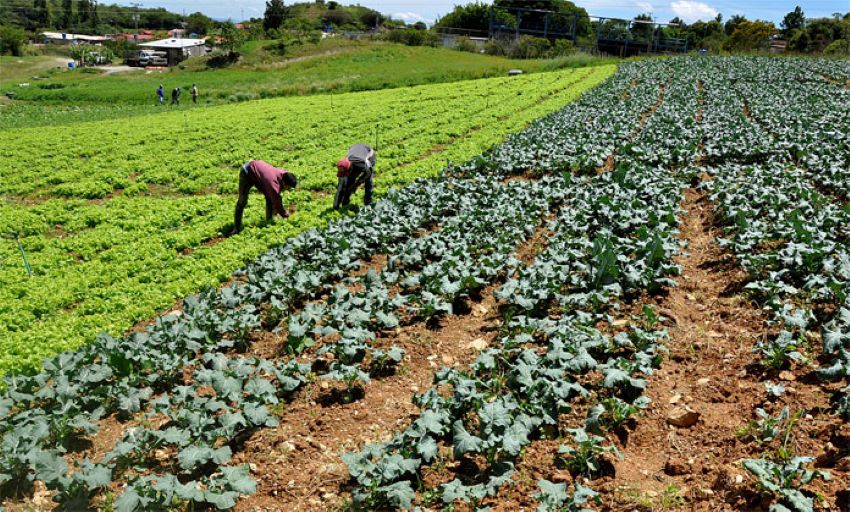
(136, 15)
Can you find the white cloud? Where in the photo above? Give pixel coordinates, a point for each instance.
(409, 17)
(691, 11)
(645, 6)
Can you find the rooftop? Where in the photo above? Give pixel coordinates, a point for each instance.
(175, 43)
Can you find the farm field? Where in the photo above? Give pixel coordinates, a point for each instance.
(64, 97)
(118, 223)
(638, 302)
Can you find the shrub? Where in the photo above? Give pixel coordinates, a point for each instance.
(496, 47)
(562, 48)
(529, 47)
(413, 37)
(837, 47)
(465, 44)
(11, 41)
(222, 58)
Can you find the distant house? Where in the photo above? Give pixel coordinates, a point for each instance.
(244, 26)
(178, 50)
(177, 33)
(778, 45)
(144, 35)
(68, 38)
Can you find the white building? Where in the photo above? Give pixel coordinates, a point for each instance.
(68, 38)
(178, 49)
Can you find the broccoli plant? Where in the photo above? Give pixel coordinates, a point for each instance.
(784, 481)
(584, 457)
(554, 497)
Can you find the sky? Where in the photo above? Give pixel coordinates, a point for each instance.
(429, 10)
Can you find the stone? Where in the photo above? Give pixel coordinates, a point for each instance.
(703, 382)
(675, 399)
(447, 359)
(786, 375)
(334, 469)
(478, 344)
(562, 477)
(684, 417)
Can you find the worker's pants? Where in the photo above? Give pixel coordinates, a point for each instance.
(347, 185)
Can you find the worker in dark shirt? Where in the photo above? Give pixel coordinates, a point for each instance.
(356, 168)
(270, 181)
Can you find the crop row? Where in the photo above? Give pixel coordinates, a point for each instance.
(611, 238)
(124, 259)
(433, 271)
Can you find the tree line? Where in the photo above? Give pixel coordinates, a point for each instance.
(737, 34)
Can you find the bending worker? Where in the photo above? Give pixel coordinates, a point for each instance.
(269, 180)
(353, 170)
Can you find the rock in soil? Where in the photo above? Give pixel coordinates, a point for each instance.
(683, 417)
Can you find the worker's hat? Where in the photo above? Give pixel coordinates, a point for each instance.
(344, 164)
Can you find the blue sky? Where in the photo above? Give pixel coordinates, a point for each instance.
(415, 10)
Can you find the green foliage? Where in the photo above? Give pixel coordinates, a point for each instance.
(839, 47)
(199, 23)
(554, 497)
(750, 35)
(784, 481)
(113, 243)
(583, 455)
(11, 41)
(413, 37)
(275, 14)
(472, 16)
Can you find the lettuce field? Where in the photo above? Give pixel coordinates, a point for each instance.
(118, 219)
(637, 302)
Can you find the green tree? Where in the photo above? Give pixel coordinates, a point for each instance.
(475, 16)
(275, 14)
(42, 13)
(199, 23)
(337, 18)
(751, 35)
(231, 37)
(11, 40)
(372, 19)
(732, 23)
(793, 20)
(69, 15)
(642, 28)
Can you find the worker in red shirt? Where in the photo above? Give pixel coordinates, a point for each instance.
(270, 181)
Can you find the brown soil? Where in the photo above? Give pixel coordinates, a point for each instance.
(297, 464)
(713, 371)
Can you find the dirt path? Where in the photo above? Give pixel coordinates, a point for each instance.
(712, 371)
(711, 338)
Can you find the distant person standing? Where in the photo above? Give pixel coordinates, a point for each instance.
(160, 94)
(175, 96)
(194, 92)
